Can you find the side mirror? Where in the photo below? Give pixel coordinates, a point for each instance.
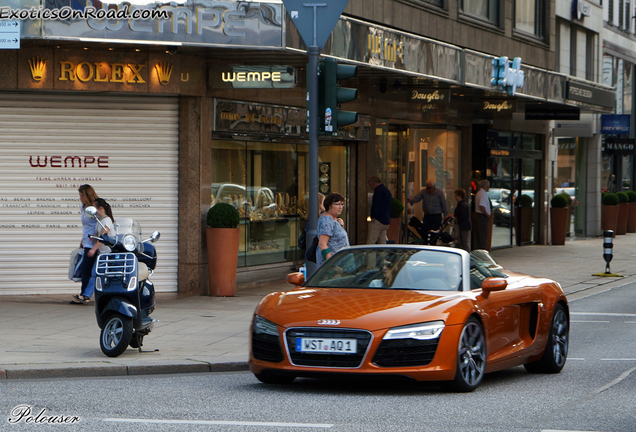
(494, 284)
(296, 279)
(155, 236)
(90, 212)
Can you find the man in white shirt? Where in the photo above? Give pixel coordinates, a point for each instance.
(482, 216)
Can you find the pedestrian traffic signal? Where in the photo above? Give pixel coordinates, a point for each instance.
(331, 95)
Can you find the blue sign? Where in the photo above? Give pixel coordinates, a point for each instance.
(9, 34)
(615, 124)
(315, 20)
(507, 75)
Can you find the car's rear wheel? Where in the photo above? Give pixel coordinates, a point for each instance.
(273, 378)
(471, 357)
(556, 349)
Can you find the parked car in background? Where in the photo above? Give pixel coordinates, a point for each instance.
(500, 203)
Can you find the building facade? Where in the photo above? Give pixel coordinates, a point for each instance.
(166, 117)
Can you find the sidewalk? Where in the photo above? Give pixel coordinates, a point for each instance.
(44, 336)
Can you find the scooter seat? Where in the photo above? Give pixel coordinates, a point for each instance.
(142, 272)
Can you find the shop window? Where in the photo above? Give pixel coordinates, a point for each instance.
(530, 17)
(268, 184)
(484, 9)
(628, 86)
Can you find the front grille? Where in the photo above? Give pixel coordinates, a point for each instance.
(328, 359)
(266, 347)
(405, 352)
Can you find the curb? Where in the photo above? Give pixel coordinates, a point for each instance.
(67, 371)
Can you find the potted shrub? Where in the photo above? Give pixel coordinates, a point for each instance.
(559, 219)
(631, 217)
(222, 236)
(524, 218)
(609, 212)
(623, 209)
(393, 233)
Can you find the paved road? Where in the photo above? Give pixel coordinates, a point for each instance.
(595, 392)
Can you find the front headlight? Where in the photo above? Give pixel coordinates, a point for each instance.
(130, 242)
(503, 210)
(429, 330)
(263, 326)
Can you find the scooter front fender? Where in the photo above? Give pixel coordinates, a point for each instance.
(118, 305)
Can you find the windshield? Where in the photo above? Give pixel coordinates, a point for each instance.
(125, 226)
(391, 268)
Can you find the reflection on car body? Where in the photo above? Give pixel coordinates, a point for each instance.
(424, 312)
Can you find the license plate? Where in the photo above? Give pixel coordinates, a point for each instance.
(342, 346)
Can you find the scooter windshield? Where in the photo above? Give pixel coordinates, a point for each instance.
(125, 226)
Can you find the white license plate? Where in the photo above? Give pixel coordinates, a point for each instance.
(343, 346)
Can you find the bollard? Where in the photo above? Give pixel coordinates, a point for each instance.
(607, 249)
(608, 254)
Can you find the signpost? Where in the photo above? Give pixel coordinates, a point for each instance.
(9, 34)
(306, 15)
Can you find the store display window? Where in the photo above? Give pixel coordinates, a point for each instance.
(268, 184)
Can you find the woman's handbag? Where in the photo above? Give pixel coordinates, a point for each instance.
(302, 241)
(75, 265)
(311, 252)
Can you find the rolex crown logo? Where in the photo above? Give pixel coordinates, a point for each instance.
(164, 70)
(38, 66)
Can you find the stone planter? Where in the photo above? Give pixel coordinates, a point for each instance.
(393, 233)
(223, 245)
(621, 222)
(609, 217)
(631, 218)
(559, 220)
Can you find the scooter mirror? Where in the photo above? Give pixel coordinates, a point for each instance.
(155, 236)
(90, 212)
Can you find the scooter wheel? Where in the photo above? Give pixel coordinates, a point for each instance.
(116, 335)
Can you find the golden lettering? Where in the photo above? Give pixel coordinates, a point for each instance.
(80, 68)
(98, 77)
(240, 76)
(276, 76)
(117, 72)
(135, 70)
(66, 69)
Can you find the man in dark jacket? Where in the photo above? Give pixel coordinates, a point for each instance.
(462, 216)
(380, 212)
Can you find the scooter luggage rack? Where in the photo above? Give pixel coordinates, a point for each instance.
(120, 264)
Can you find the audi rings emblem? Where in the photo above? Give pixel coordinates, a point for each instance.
(328, 322)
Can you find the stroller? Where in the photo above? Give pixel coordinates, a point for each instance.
(433, 237)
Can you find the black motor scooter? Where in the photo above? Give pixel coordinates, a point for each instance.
(124, 295)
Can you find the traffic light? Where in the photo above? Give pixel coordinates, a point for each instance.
(331, 95)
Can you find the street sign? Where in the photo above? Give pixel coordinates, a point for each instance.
(307, 14)
(9, 34)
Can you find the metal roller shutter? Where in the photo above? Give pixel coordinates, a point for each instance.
(126, 147)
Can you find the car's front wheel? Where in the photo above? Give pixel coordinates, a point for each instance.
(471, 357)
(556, 348)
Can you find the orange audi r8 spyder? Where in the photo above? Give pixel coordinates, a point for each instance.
(425, 312)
